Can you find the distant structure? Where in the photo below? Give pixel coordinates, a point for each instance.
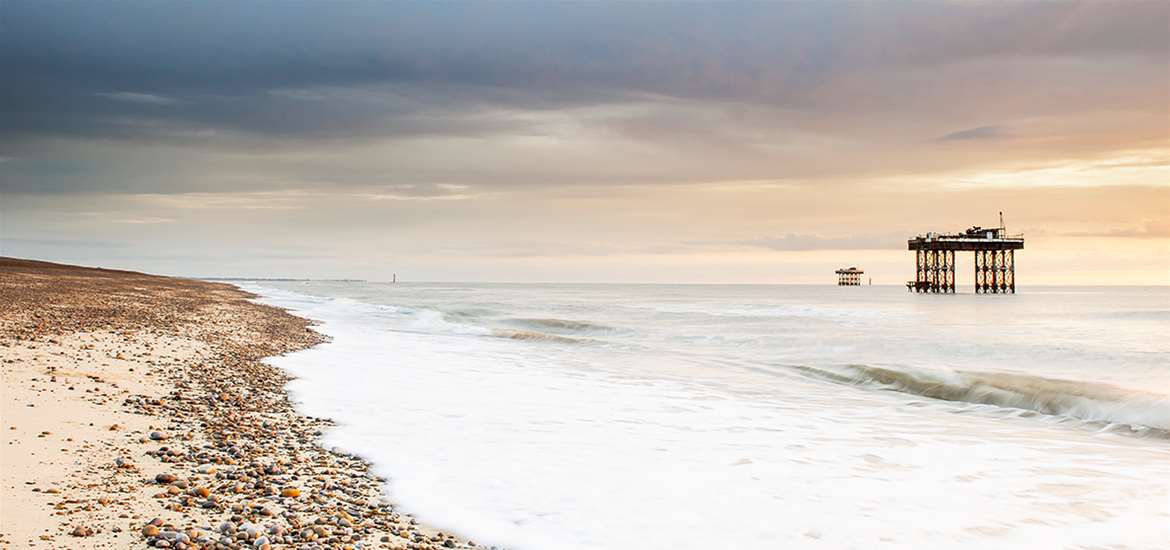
(995, 260)
(849, 276)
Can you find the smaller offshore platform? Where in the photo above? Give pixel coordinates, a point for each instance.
(849, 276)
(995, 260)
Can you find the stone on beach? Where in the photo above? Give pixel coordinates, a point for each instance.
(236, 465)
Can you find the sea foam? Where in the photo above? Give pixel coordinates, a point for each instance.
(684, 430)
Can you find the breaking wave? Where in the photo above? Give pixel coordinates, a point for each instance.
(1144, 412)
(559, 324)
(530, 335)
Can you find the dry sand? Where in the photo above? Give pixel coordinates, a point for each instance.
(135, 412)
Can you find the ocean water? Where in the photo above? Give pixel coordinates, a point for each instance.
(700, 416)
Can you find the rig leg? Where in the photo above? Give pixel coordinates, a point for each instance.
(930, 271)
(993, 271)
(942, 271)
(978, 271)
(1004, 271)
(917, 270)
(951, 271)
(924, 276)
(1001, 269)
(989, 279)
(996, 272)
(934, 271)
(1012, 270)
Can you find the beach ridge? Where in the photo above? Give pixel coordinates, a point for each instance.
(137, 411)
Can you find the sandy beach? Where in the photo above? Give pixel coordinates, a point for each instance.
(136, 411)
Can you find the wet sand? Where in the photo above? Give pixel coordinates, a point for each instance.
(136, 412)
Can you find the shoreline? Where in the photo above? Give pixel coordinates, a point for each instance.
(138, 411)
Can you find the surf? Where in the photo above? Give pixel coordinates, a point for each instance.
(1142, 411)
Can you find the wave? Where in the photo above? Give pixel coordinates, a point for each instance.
(1143, 412)
(465, 315)
(1140, 314)
(538, 336)
(559, 324)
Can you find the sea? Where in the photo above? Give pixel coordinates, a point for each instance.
(608, 416)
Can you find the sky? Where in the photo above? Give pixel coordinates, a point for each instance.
(584, 142)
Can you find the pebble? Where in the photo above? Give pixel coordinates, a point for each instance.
(256, 476)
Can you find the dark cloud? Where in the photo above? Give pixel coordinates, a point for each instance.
(314, 70)
(149, 97)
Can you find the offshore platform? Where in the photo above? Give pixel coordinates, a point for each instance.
(849, 276)
(995, 260)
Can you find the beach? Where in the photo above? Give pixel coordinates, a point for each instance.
(824, 275)
(147, 411)
(137, 412)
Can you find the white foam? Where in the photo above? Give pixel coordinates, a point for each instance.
(534, 445)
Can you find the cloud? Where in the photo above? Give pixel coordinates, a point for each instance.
(135, 97)
(417, 192)
(1120, 168)
(978, 133)
(805, 242)
(146, 220)
(263, 200)
(52, 243)
(369, 71)
(1146, 229)
(388, 133)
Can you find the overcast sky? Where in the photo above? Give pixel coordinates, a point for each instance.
(592, 141)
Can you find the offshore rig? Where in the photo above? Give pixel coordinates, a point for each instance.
(995, 260)
(849, 276)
